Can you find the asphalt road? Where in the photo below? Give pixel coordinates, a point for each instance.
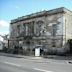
(12, 64)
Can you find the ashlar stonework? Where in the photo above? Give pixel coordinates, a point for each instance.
(49, 29)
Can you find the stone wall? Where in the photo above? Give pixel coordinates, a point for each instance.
(49, 26)
(47, 30)
(67, 29)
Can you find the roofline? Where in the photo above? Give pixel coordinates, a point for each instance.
(39, 14)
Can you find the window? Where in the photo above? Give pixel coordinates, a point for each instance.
(39, 28)
(53, 43)
(28, 42)
(32, 28)
(29, 28)
(54, 26)
(18, 28)
(24, 29)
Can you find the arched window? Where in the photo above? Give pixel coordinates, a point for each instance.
(40, 28)
(40, 22)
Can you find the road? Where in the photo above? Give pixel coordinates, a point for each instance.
(12, 64)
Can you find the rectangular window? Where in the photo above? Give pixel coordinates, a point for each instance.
(54, 29)
(24, 29)
(18, 28)
(30, 28)
(53, 43)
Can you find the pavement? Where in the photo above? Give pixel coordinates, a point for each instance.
(32, 64)
(49, 58)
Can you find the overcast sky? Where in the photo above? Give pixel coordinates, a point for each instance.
(11, 9)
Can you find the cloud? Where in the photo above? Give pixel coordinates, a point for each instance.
(4, 23)
(4, 33)
(4, 28)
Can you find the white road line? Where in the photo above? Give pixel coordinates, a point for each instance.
(42, 70)
(12, 64)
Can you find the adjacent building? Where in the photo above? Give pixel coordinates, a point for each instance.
(1, 45)
(46, 29)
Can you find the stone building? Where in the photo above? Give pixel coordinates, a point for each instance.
(48, 29)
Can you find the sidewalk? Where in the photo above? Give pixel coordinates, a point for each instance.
(14, 55)
(20, 56)
(56, 57)
(49, 58)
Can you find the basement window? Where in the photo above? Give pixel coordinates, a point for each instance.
(28, 42)
(53, 43)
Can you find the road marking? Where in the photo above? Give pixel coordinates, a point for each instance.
(12, 64)
(42, 70)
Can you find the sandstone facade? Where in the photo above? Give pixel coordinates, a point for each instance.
(48, 29)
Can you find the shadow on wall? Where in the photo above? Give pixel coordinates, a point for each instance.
(67, 49)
